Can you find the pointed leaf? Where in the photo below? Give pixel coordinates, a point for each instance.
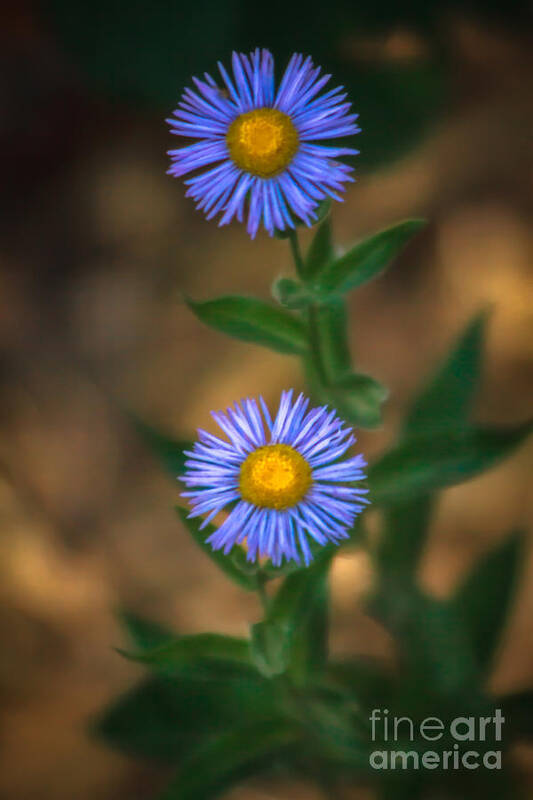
(328, 323)
(230, 757)
(144, 633)
(169, 451)
(208, 654)
(299, 612)
(484, 600)
(365, 678)
(164, 718)
(447, 400)
(404, 536)
(368, 258)
(435, 651)
(253, 320)
(321, 251)
(432, 461)
(234, 565)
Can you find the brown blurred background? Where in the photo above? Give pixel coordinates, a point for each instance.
(96, 245)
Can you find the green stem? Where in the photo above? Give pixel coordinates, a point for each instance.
(261, 590)
(315, 345)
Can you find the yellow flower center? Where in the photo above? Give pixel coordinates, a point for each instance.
(262, 142)
(275, 476)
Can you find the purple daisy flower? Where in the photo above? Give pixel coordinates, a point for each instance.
(258, 144)
(282, 479)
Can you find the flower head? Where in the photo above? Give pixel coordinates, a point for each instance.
(256, 144)
(282, 479)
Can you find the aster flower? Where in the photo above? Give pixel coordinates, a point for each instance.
(281, 480)
(258, 144)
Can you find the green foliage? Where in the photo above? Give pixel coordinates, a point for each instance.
(293, 635)
(291, 294)
(359, 398)
(220, 708)
(446, 401)
(404, 535)
(436, 654)
(321, 250)
(483, 601)
(253, 320)
(367, 259)
(143, 633)
(163, 719)
(433, 461)
(229, 757)
(209, 654)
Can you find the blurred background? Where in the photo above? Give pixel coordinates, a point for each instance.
(96, 246)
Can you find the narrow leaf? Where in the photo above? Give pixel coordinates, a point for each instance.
(253, 320)
(329, 324)
(368, 258)
(431, 461)
(447, 400)
(299, 612)
(229, 758)
(364, 678)
(404, 536)
(189, 655)
(169, 451)
(320, 252)
(436, 655)
(144, 633)
(484, 600)
(233, 565)
(163, 718)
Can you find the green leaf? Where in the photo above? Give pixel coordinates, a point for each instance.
(291, 294)
(298, 612)
(206, 654)
(404, 536)
(517, 709)
(169, 451)
(321, 251)
(483, 601)
(368, 258)
(358, 398)
(431, 461)
(364, 678)
(144, 633)
(328, 323)
(309, 643)
(230, 757)
(435, 651)
(447, 399)
(234, 565)
(162, 718)
(253, 320)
